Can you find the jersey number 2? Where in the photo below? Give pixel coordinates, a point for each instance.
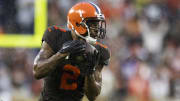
(67, 76)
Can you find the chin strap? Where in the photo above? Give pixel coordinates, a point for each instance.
(87, 38)
(90, 40)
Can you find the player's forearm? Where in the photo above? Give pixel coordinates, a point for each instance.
(43, 67)
(92, 87)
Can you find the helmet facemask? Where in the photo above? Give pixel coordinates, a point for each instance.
(96, 29)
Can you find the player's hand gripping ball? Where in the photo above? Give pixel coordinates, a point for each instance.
(87, 60)
(73, 47)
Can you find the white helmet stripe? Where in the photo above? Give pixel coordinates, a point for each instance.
(96, 7)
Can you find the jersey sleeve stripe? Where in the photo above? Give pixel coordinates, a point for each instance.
(57, 28)
(100, 44)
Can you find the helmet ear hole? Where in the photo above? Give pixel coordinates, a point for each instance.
(77, 24)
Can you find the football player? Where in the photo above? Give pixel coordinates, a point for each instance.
(71, 61)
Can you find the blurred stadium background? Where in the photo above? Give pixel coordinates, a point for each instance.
(143, 36)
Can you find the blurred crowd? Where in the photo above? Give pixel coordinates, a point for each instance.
(143, 37)
(17, 16)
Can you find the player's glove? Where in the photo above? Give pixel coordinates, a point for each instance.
(91, 57)
(72, 47)
(92, 61)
